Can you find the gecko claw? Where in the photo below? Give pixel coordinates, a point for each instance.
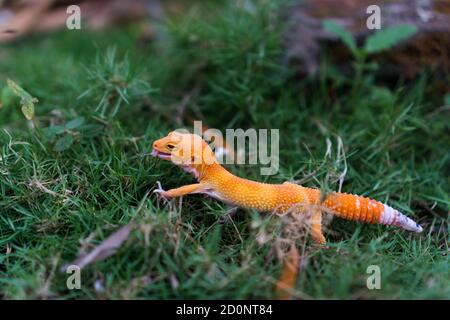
(159, 190)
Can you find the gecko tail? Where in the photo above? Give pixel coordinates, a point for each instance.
(390, 216)
(353, 207)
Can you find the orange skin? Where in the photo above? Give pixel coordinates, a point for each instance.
(194, 155)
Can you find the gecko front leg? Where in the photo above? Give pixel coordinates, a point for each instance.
(181, 191)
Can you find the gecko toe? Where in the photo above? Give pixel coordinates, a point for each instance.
(159, 190)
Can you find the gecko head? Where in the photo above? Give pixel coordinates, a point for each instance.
(184, 149)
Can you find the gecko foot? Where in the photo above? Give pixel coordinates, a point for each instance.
(159, 190)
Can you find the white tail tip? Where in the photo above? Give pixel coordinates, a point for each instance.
(390, 216)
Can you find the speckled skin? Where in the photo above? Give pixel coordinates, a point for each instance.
(214, 180)
(260, 196)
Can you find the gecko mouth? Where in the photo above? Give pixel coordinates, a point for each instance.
(160, 154)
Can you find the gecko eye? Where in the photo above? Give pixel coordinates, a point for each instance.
(170, 146)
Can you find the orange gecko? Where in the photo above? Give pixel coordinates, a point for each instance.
(193, 154)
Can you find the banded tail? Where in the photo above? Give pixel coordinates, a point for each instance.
(353, 207)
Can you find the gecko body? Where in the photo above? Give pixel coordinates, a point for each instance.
(194, 155)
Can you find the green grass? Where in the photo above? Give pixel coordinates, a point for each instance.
(54, 205)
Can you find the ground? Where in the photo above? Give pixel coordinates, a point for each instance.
(63, 191)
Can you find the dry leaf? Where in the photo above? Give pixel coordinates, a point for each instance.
(288, 277)
(25, 20)
(45, 15)
(107, 248)
(26, 100)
